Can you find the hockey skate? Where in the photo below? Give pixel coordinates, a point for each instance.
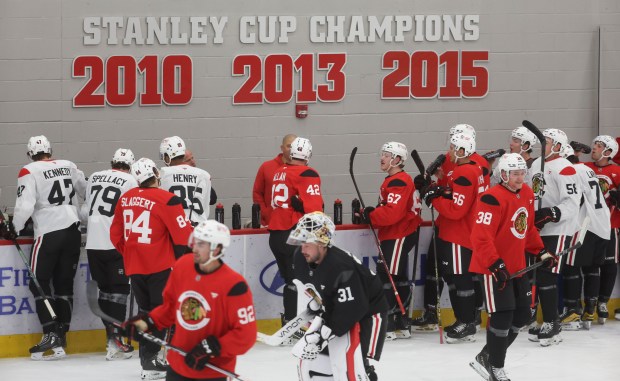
(427, 322)
(481, 364)
(50, 344)
(532, 322)
(550, 334)
(117, 350)
(398, 327)
(153, 369)
(588, 314)
(460, 332)
(570, 319)
(603, 312)
(370, 372)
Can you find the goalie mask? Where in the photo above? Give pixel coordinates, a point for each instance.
(301, 149)
(396, 149)
(610, 144)
(123, 156)
(510, 162)
(173, 146)
(463, 129)
(315, 227)
(38, 144)
(144, 169)
(215, 233)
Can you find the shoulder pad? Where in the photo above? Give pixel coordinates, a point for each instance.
(568, 171)
(174, 200)
(397, 183)
(489, 199)
(309, 173)
(238, 289)
(463, 181)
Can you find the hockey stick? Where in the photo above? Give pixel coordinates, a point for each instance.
(418, 162)
(543, 143)
(92, 296)
(30, 271)
(372, 229)
(580, 237)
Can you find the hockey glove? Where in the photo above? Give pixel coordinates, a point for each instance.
(491, 156)
(297, 204)
(430, 193)
(500, 274)
(421, 182)
(434, 166)
(550, 259)
(614, 197)
(204, 351)
(7, 231)
(366, 214)
(315, 342)
(545, 215)
(142, 322)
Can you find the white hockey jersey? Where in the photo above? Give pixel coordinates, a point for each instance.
(594, 205)
(560, 189)
(193, 186)
(48, 190)
(102, 193)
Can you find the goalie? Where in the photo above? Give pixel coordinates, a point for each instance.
(351, 319)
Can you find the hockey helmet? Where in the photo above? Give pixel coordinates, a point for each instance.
(213, 232)
(173, 146)
(396, 149)
(144, 169)
(463, 129)
(525, 135)
(466, 142)
(567, 151)
(301, 149)
(610, 144)
(315, 227)
(510, 162)
(123, 156)
(557, 137)
(38, 144)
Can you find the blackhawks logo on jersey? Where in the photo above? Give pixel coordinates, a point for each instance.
(538, 185)
(193, 310)
(604, 182)
(519, 223)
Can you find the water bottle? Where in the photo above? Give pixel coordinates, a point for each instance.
(219, 213)
(338, 212)
(255, 216)
(236, 216)
(356, 206)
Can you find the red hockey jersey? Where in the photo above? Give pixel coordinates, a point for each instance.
(261, 193)
(147, 223)
(448, 166)
(200, 305)
(608, 179)
(456, 214)
(396, 217)
(289, 181)
(504, 228)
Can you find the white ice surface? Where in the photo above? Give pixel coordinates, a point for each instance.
(583, 355)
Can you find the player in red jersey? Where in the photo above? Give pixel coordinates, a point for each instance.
(455, 205)
(261, 193)
(296, 190)
(210, 306)
(397, 221)
(503, 230)
(150, 230)
(604, 148)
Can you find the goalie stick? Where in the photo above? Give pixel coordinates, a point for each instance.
(580, 237)
(92, 296)
(372, 229)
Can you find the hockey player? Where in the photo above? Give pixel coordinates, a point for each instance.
(190, 184)
(261, 192)
(604, 148)
(397, 222)
(351, 322)
(209, 304)
(106, 264)
(46, 191)
(296, 191)
(590, 255)
(455, 205)
(557, 222)
(503, 230)
(189, 158)
(150, 230)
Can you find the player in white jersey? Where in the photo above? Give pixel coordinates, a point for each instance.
(47, 191)
(557, 222)
(591, 255)
(106, 264)
(190, 184)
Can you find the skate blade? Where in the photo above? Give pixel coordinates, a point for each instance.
(557, 339)
(466, 339)
(533, 338)
(479, 369)
(118, 356)
(426, 328)
(585, 325)
(152, 375)
(57, 354)
(572, 326)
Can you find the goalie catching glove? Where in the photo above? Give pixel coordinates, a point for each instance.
(204, 351)
(545, 215)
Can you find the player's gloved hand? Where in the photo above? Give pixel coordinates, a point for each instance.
(500, 273)
(420, 181)
(580, 147)
(614, 197)
(545, 215)
(365, 214)
(141, 322)
(430, 193)
(315, 342)
(204, 351)
(492, 155)
(550, 259)
(297, 204)
(7, 231)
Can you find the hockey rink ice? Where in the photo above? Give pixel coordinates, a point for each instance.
(581, 356)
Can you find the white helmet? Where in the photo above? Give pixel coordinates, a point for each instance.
(144, 169)
(396, 149)
(610, 143)
(301, 149)
(173, 146)
(463, 129)
(556, 136)
(567, 151)
(467, 142)
(38, 144)
(525, 135)
(315, 227)
(213, 232)
(123, 156)
(510, 162)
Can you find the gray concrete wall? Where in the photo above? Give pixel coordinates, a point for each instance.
(542, 67)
